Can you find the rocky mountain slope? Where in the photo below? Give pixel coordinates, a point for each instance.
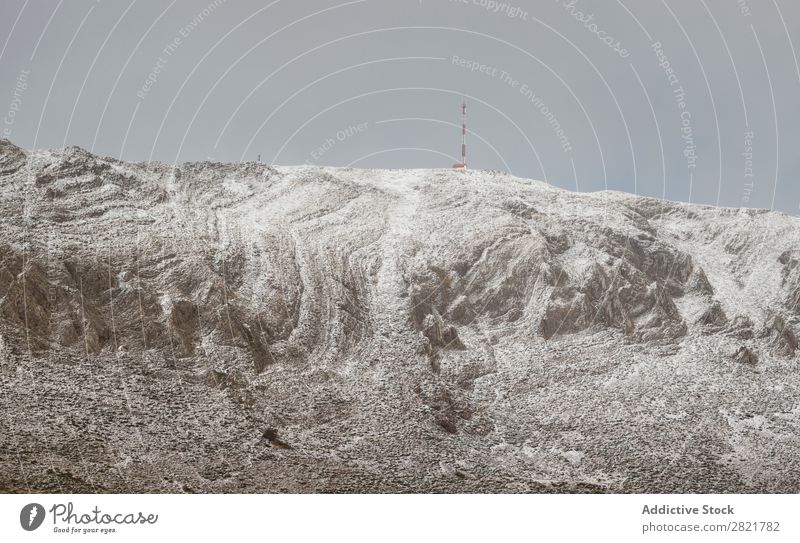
(245, 328)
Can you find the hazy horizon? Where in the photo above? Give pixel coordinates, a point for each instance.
(687, 101)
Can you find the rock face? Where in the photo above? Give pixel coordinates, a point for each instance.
(243, 328)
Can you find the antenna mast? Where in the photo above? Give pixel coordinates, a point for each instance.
(463, 164)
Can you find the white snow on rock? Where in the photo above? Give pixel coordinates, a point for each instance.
(335, 329)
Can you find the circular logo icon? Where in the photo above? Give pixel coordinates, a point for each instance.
(31, 516)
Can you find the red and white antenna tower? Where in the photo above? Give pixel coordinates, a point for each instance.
(463, 164)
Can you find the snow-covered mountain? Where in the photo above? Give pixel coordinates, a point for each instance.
(246, 328)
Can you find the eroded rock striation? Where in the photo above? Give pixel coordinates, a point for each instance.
(245, 328)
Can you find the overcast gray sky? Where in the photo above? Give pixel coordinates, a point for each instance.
(693, 100)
